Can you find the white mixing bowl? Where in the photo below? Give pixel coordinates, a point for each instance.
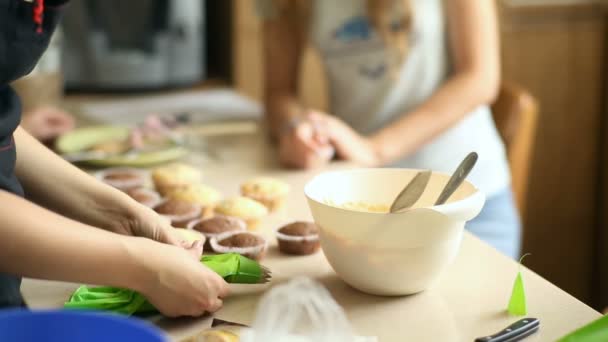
(382, 253)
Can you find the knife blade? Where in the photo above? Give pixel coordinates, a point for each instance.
(514, 332)
(412, 192)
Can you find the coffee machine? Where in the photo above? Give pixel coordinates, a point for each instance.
(133, 45)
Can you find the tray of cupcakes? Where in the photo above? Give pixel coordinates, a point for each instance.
(177, 192)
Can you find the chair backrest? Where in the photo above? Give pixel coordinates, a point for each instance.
(515, 113)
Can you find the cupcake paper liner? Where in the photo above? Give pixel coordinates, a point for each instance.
(247, 251)
(126, 183)
(281, 236)
(153, 202)
(193, 223)
(194, 214)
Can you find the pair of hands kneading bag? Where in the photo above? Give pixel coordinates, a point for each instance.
(234, 268)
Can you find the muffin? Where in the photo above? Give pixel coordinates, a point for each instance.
(247, 244)
(299, 238)
(147, 197)
(268, 191)
(123, 178)
(199, 194)
(217, 225)
(167, 178)
(178, 212)
(245, 208)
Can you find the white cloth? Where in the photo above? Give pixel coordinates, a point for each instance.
(365, 94)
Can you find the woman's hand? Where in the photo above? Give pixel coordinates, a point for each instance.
(304, 146)
(47, 123)
(174, 280)
(135, 219)
(349, 144)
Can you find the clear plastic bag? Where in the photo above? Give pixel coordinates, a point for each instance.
(301, 310)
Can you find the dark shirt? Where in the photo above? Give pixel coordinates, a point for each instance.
(22, 42)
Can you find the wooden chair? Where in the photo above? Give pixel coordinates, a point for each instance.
(515, 114)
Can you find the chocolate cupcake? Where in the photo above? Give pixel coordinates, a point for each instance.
(123, 178)
(247, 244)
(217, 225)
(299, 238)
(147, 197)
(178, 212)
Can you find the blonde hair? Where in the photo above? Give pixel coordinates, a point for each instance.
(392, 19)
(393, 26)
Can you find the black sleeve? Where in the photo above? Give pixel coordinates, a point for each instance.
(55, 3)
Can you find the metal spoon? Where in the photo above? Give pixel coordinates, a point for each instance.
(462, 171)
(412, 192)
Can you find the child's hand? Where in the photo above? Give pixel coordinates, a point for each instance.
(174, 280)
(303, 147)
(349, 144)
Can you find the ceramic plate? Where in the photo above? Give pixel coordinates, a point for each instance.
(83, 138)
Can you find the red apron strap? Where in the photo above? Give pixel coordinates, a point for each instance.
(38, 14)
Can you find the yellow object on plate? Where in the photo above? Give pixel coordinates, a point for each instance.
(83, 139)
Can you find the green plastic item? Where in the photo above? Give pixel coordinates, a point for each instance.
(83, 138)
(517, 302)
(592, 332)
(105, 298)
(234, 268)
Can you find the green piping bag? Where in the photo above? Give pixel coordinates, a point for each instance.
(517, 303)
(592, 332)
(234, 268)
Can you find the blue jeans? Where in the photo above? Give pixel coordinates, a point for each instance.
(498, 224)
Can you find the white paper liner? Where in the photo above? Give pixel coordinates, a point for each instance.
(285, 237)
(124, 184)
(254, 250)
(153, 202)
(191, 224)
(195, 213)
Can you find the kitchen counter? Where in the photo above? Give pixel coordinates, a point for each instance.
(468, 301)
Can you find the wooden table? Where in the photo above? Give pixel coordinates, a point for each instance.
(469, 301)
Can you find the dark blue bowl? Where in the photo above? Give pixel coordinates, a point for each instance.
(72, 326)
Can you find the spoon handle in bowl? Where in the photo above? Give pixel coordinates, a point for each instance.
(462, 171)
(412, 192)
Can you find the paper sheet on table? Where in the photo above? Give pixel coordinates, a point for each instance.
(204, 105)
